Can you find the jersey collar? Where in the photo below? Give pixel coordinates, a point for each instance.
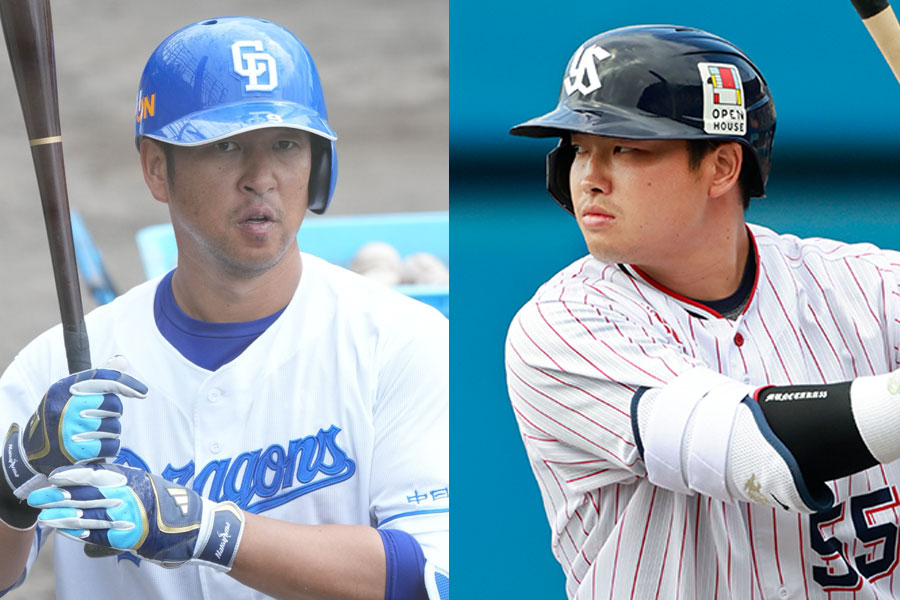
(695, 307)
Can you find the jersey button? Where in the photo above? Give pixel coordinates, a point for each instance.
(215, 448)
(783, 592)
(214, 395)
(738, 340)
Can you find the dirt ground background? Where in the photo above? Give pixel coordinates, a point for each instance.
(384, 68)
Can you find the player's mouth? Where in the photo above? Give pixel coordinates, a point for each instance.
(594, 217)
(257, 221)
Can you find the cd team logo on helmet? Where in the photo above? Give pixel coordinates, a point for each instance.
(221, 77)
(254, 64)
(659, 82)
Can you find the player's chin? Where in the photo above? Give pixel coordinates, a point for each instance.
(252, 262)
(604, 251)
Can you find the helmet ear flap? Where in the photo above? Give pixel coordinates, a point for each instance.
(321, 177)
(559, 163)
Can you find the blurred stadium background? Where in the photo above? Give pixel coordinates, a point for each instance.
(384, 69)
(836, 173)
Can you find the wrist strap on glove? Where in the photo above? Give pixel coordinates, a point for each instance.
(220, 536)
(15, 512)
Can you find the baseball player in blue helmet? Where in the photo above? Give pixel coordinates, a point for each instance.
(709, 407)
(279, 428)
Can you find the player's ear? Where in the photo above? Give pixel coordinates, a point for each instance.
(724, 164)
(156, 172)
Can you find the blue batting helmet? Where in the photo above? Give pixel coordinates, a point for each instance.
(221, 77)
(649, 82)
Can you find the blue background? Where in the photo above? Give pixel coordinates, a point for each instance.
(835, 174)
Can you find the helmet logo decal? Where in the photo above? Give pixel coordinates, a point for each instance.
(724, 111)
(583, 75)
(146, 106)
(259, 67)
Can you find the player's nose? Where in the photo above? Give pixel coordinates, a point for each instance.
(258, 172)
(591, 175)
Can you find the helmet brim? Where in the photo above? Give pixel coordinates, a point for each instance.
(608, 121)
(208, 126)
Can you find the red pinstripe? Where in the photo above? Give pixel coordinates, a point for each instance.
(753, 548)
(777, 352)
(570, 430)
(615, 569)
(637, 567)
(538, 346)
(863, 346)
(747, 370)
(709, 512)
(681, 553)
(577, 320)
(813, 356)
(612, 349)
(783, 309)
(582, 356)
(775, 540)
(802, 562)
(662, 568)
(862, 292)
(571, 410)
(696, 538)
(840, 332)
(588, 476)
(605, 403)
(824, 335)
(728, 541)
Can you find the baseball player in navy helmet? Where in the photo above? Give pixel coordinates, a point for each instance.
(278, 425)
(709, 408)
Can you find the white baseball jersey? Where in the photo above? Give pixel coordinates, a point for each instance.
(337, 413)
(820, 311)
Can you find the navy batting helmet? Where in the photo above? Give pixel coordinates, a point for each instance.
(220, 77)
(659, 82)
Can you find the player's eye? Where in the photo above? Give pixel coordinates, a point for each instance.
(286, 144)
(623, 149)
(226, 146)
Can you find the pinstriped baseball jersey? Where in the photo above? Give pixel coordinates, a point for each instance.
(337, 413)
(820, 311)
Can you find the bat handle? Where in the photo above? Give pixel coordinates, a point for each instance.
(881, 21)
(78, 351)
(50, 169)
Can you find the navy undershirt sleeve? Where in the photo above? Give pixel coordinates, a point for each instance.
(404, 566)
(208, 345)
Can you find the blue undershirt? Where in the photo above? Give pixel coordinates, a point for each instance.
(206, 344)
(210, 345)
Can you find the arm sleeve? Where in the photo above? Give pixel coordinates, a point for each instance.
(410, 487)
(404, 566)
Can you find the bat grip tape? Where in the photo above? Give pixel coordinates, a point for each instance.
(78, 351)
(869, 8)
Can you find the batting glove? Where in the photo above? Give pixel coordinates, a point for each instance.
(76, 422)
(128, 509)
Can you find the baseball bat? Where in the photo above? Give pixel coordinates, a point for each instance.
(28, 31)
(880, 20)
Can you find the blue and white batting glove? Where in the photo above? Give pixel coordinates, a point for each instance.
(128, 509)
(76, 422)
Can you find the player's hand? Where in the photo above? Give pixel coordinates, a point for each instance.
(76, 422)
(128, 509)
